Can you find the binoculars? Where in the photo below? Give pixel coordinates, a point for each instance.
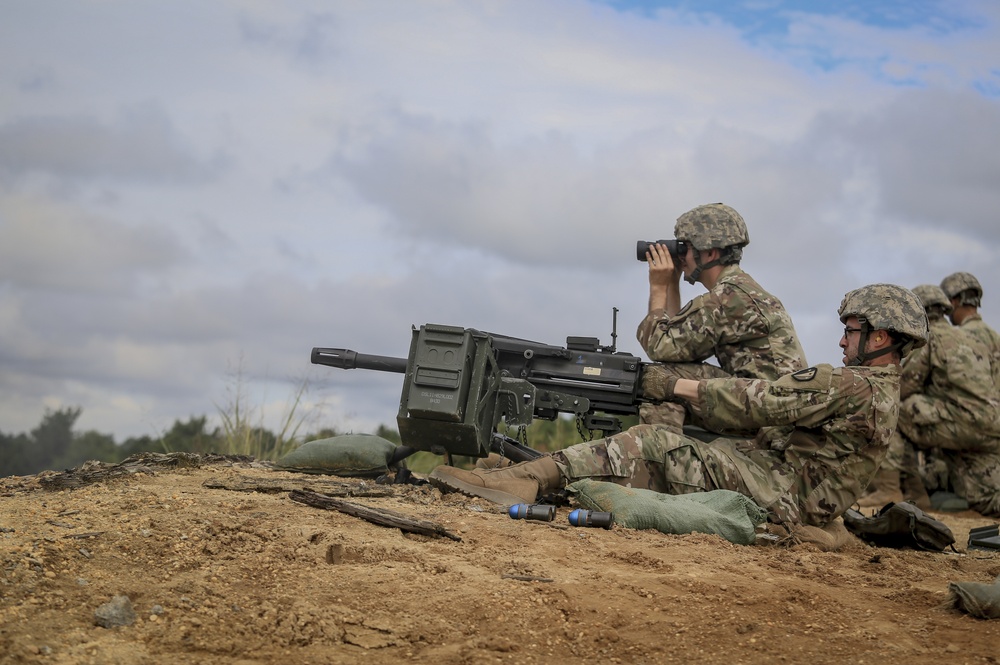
(677, 248)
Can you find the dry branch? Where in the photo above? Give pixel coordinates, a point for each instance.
(377, 516)
(271, 486)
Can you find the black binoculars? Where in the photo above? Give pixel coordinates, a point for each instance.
(677, 248)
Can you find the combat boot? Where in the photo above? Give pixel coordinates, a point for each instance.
(493, 461)
(915, 492)
(518, 483)
(884, 489)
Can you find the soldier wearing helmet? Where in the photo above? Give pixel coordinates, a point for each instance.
(744, 327)
(821, 432)
(899, 476)
(965, 294)
(948, 404)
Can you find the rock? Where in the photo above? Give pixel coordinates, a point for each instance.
(118, 612)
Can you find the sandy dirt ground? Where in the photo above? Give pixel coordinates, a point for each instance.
(218, 571)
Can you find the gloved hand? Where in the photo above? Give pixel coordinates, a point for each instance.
(658, 384)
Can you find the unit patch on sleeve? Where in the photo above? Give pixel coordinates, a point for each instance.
(807, 374)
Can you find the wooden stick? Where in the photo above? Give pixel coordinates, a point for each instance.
(377, 516)
(272, 485)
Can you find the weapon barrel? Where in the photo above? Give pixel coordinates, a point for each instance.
(347, 359)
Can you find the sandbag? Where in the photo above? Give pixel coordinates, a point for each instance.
(948, 502)
(721, 512)
(354, 455)
(980, 600)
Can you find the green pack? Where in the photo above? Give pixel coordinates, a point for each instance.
(900, 525)
(355, 455)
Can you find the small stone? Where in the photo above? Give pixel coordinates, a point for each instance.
(118, 612)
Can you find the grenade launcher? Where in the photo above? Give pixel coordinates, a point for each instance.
(459, 384)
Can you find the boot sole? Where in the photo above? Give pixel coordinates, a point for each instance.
(450, 484)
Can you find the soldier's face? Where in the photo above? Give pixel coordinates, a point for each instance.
(852, 337)
(955, 304)
(688, 264)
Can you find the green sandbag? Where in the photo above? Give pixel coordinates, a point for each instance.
(356, 455)
(980, 600)
(721, 512)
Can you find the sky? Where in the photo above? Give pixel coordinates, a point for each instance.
(195, 194)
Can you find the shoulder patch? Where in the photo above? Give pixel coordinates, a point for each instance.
(811, 379)
(807, 374)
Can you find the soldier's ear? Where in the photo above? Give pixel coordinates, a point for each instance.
(879, 339)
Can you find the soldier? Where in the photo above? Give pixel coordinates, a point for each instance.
(946, 393)
(965, 293)
(746, 328)
(949, 403)
(823, 431)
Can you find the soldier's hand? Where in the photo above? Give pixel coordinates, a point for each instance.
(661, 265)
(658, 384)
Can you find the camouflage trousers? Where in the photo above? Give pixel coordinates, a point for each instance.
(976, 477)
(657, 458)
(671, 414)
(902, 456)
(971, 453)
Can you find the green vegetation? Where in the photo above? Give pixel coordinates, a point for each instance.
(242, 436)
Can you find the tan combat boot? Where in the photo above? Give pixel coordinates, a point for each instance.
(915, 492)
(518, 483)
(884, 489)
(493, 461)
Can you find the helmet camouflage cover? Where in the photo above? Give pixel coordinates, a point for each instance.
(888, 307)
(932, 296)
(712, 225)
(956, 284)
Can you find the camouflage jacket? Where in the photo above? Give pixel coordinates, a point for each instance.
(746, 328)
(824, 432)
(953, 368)
(975, 326)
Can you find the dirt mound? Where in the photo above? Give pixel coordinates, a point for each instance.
(220, 565)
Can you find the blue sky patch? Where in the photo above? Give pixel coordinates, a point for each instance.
(759, 18)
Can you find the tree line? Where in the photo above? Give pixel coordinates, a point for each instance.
(55, 444)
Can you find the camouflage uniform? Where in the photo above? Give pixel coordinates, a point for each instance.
(746, 328)
(989, 338)
(949, 402)
(966, 289)
(902, 455)
(823, 433)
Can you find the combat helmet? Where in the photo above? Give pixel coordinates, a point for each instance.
(711, 226)
(886, 307)
(933, 298)
(964, 286)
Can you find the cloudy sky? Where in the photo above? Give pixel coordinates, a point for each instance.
(192, 191)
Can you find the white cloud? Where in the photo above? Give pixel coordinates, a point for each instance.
(50, 245)
(186, 184)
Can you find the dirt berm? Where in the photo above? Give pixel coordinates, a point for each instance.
(221, 565)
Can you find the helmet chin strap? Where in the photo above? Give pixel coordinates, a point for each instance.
(863, 357)
(699, 267)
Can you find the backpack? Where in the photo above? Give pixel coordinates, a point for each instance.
(900, 525)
